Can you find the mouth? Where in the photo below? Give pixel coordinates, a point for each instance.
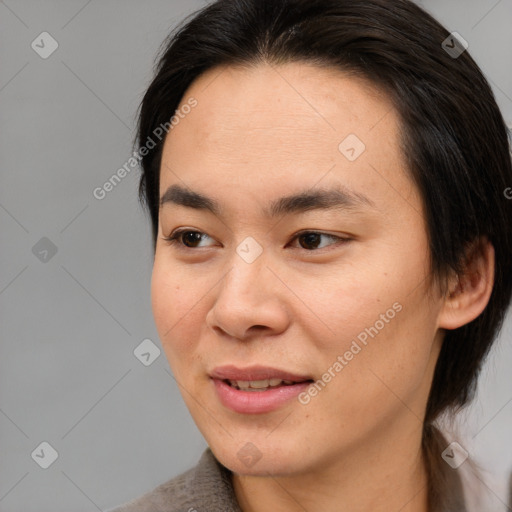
(257, 375)
(258, 385)
(257, 389)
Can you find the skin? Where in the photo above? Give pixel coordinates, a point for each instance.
(258, 134)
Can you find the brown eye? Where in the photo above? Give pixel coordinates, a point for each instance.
(186, 238)
(190, 238)
(311, 240)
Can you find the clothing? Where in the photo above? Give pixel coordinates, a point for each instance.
(205, 488)
(208, 488)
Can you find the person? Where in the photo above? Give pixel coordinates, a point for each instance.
(332, 244)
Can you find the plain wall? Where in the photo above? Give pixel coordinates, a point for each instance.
(70, 321)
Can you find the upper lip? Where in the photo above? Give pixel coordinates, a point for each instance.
(230, 372)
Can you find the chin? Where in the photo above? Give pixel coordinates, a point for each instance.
(258, 459)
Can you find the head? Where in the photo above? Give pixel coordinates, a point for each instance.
(344, 178)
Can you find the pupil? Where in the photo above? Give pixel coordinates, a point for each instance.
(192, 237)
(311, 239)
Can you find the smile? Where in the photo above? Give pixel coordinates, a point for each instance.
(257, 389)
(258, 385)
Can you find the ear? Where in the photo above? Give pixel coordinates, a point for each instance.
(469, 292)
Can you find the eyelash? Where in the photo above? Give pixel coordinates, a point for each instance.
(174, 238)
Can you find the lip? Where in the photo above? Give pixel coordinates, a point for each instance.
(256, 402)
(230, 372)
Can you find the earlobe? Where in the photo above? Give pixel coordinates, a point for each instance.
(469, 292)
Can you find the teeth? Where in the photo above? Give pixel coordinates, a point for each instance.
(258, 385)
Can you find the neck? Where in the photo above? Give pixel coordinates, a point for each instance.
(380, 477)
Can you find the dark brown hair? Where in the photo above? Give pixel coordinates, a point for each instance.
(452, 133)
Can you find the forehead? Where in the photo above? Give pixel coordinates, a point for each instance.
(271, 127)
(284, 100)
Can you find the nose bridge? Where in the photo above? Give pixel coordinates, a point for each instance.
(246, 297)
(248, 268)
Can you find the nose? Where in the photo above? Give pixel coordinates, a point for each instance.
(250, 301)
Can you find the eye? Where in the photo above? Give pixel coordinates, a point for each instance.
(185, 238)
(310, 240)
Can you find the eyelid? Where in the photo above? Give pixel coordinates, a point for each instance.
(174, 238)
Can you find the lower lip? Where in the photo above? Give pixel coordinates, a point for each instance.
(257, 402)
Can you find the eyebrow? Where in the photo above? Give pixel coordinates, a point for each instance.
(311, 199)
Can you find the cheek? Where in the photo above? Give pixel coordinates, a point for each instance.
(377, 382)
(174, 304)
(396, 358)
(350, 308)
(163, 290)
(383, 326)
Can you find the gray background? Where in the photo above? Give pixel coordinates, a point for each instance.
(71, 321)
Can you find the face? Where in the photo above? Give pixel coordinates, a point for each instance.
(301, 272)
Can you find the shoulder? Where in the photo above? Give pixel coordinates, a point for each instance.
(483, 492)
(172, 496)
(207, 487)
